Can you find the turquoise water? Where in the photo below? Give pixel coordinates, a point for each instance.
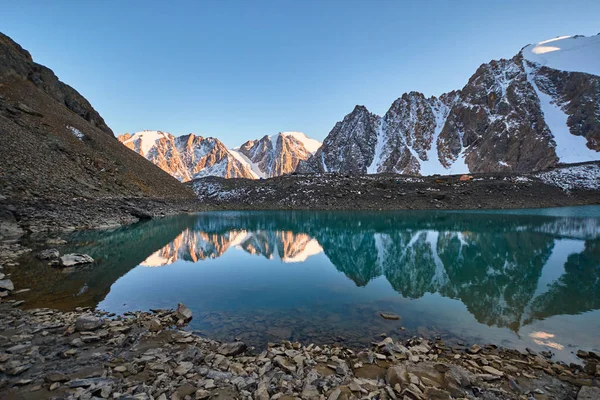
(521, 279)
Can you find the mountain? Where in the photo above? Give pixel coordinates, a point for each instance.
(190, 157)
(278, 154)
(186, 157)
(537, 109)
(60, 162)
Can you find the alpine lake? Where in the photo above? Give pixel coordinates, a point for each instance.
(519, 279)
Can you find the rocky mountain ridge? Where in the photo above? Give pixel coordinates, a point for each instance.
(191, 157)
(531, 112)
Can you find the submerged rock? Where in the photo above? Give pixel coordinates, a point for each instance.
(390, 316)
(69, 260)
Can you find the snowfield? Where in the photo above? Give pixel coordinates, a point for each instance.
(567, 53)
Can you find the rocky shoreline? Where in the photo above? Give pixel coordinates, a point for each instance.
(88, 354)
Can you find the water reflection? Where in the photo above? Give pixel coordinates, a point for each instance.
(503, 269)
(449, 272)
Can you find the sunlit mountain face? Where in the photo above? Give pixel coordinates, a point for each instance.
(524, 279)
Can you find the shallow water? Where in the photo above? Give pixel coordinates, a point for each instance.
(521, 279)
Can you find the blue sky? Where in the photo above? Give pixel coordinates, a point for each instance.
(238, 70)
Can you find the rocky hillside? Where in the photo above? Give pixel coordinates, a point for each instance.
(190, 157)
(538, 109)
(58, 154)
(187, 157)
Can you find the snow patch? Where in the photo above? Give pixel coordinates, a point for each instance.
(147, 140)
(78, 134)
(569, 148)
(253, 167)
(311, 145)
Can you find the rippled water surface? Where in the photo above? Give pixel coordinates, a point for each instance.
(529, 278)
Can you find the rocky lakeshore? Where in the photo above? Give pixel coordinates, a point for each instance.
(88, 354)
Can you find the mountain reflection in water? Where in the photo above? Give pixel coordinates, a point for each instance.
(532, 274)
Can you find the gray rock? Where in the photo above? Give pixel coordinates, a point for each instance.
(6, 284)
(588, 393)
(232, 349)
(69, 260)
(54, 376)
(88, 323)
(48, 254)
(183, 313)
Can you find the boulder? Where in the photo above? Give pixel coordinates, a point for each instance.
(6, 284)
(183, 313)
(88, 323)
(69, 260)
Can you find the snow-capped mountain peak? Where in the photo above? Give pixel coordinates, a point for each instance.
(530, 112)
(189, 157)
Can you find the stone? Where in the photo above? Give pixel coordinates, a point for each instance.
(284, 364)
(186, 389)
(390, 316)
(19, 348)
(183, 313)
(475, 349)
(492, 370)
(6, 284)
(54, 376)
(69, 260)
(120, 368)
(232, 349)
(588, 393)
(202, 394)
(155, 325)
(183, 368)
(48, 254)
(397, 374)
(88, 323)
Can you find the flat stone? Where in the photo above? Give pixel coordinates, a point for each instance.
(186, 389)
(69, 260)
(55, 376)
(19, 348)
(492, 370)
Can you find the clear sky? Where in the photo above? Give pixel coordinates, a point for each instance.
(238, 70)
